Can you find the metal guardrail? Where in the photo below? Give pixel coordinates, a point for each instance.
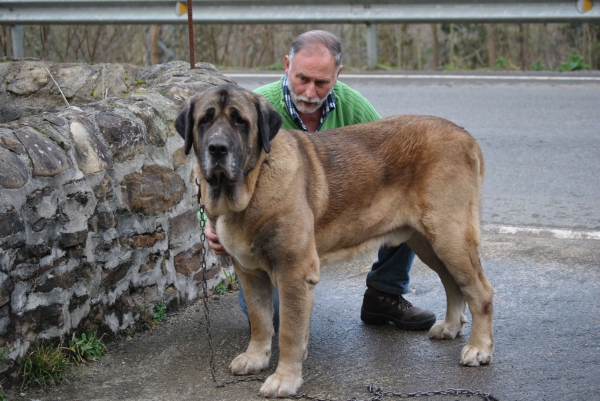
(75, 12)
(46, 12)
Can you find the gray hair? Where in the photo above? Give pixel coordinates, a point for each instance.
(316, 37)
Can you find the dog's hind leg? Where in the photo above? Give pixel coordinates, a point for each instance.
(452, 325)
(258, 292)
(457, 250)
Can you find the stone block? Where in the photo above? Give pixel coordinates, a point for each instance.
(112, 277)
(147, 240)
(180, 158)
(4, 322)
(32, 253)
(7, 142)
(65, 280)
(47, 157)
(183, 228)
(104, 189)
(11, 223)
(124, 136)
(91, 155)
(156, 126)
(38, 320)
(67, 240)
(30, 78)
(72, 78)
(6, 287)
(106, 220)
(187, 263)
(155, 189)
(13, 173)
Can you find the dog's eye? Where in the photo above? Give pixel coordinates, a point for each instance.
(240, 121)
(237, 118)
(207, 118)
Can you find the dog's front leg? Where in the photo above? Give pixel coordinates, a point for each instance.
(296, 295)
(258, 292)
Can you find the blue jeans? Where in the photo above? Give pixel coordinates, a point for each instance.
(244, 307)
(389, 273)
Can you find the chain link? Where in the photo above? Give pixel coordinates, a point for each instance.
(378, 393)
(207, 309)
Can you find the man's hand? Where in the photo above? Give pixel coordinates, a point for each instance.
(213, 241)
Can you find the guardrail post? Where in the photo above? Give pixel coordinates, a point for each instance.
(16, 32)
(372, 45)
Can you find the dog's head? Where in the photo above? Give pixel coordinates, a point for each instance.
(230, 129)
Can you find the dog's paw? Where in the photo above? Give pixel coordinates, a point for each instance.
(280, 385)
(444, 330)
(249, 364)
(475, 356)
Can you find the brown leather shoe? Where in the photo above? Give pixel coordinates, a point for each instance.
(380, 308)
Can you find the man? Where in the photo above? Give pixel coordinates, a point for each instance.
(309, 97)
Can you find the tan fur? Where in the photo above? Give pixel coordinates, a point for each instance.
(335, 194)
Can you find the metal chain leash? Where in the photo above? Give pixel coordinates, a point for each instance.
(378, 393)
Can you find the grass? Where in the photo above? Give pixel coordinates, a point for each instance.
(232, 279)
(44, 366)
(149, 319)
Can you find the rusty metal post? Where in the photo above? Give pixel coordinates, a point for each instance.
(191, 34)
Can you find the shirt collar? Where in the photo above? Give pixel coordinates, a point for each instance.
(329, 106)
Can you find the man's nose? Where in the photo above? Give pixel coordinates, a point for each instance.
(310, 91)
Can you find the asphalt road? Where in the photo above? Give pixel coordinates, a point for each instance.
(540, 249)
(540, 136)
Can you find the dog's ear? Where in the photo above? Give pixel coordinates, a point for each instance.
(184, 124)
(269, 122)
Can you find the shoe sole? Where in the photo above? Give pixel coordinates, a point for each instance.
(379, 319)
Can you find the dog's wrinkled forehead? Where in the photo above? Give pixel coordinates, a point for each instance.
(224, 97)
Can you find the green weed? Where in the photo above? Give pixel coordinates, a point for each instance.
(220, 289)
(538, 65)
(160, 313)
(44, 366)
(88, 347)
(574, 63)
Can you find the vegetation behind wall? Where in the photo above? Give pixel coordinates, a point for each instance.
(401, 46)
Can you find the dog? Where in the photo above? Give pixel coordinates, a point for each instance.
(283, 202)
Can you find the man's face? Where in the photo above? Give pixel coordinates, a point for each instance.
(311, 77)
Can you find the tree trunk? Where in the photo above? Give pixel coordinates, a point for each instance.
(399, 40)
(491, 45)
(524, 39)
(436, 47)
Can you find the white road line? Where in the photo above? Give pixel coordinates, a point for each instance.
(543, 232)
(448, 77)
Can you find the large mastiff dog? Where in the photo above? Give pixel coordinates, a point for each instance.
(283, 202)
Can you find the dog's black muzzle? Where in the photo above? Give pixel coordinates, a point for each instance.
(221, 155)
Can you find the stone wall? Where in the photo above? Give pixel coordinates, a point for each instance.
(97, 200)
